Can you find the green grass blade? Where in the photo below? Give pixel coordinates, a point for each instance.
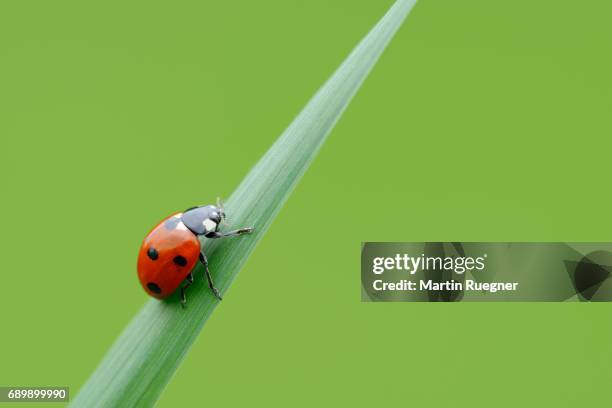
(146, 355)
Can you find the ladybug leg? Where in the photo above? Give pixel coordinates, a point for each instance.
(215, 291)
(189, 282)
(241, 231)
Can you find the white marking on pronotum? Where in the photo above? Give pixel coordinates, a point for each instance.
(209, 224)
(179, 225)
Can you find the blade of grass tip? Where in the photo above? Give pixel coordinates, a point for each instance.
(143, 359)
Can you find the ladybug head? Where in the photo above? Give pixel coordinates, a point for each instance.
(220, 210)
(217, 215)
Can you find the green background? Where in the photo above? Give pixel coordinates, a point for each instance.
(484, 120)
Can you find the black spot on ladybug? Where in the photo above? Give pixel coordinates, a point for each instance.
(171, 223)
(180, 260)
(154, 288)
(152, 253)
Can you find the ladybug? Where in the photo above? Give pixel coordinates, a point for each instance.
(172, 249)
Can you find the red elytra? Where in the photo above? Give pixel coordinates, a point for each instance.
(167, 256)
